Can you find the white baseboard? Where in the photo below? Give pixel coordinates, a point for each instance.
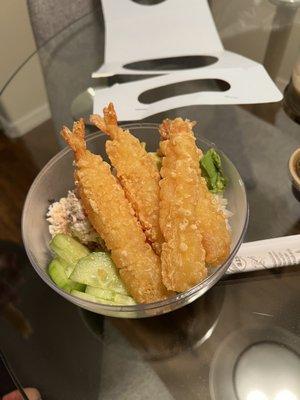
(27, 122)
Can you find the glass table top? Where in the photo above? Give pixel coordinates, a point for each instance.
(239, 341)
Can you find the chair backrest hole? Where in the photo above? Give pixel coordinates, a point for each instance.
(181, 88)
(148, 2)
(172, 63)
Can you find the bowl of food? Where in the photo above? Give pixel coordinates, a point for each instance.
(134, 221)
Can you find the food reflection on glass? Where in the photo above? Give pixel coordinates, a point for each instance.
(145, 227)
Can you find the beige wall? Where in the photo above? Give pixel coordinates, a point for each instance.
(24, 103)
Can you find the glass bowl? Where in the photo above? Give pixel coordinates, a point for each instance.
(56, 178)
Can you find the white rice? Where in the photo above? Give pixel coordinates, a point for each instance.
(221, 203)
(67, 216)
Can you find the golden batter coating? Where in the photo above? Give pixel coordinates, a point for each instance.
(113, 218)
(136, 171)
(183, 255)
(215, 235)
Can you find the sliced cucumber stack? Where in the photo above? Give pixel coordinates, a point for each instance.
(98, 270)
(68, 250)
(89, 276)
(58, 274)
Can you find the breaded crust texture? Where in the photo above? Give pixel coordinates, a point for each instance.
(113, 218)
(136, 171)
(183, 255)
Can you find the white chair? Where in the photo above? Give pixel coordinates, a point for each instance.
(135, 34)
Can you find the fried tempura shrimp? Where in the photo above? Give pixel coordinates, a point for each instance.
(136, 171)
(113, 218)
(183, 255)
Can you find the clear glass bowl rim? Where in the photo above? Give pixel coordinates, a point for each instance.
(181, 297)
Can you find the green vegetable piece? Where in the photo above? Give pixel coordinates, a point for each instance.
(58, 274)
(68, 250)
(211, 168)
(156, 158)
(71, 285)
(101, 293)
(67, 267)
(98, 270)
(117, 298)
(89, 297)
(124, 300)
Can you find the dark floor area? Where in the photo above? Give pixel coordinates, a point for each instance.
(20, 161)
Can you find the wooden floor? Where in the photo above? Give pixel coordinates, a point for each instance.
(20, 161)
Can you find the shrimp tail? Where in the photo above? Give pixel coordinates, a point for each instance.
(108, 123)
(164, 129)
(168, 127)
(98, 122)
(76, 138)
(110, 115)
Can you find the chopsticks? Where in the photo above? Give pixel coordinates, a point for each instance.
(5, 365)
(266, 254)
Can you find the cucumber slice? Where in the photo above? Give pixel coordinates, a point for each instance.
(89, 297)
(124, 300)
(57, 273)
(117, 298)
(71, 285)
(101, 293)
(68, 250)
(98, 270)
(67, 267)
